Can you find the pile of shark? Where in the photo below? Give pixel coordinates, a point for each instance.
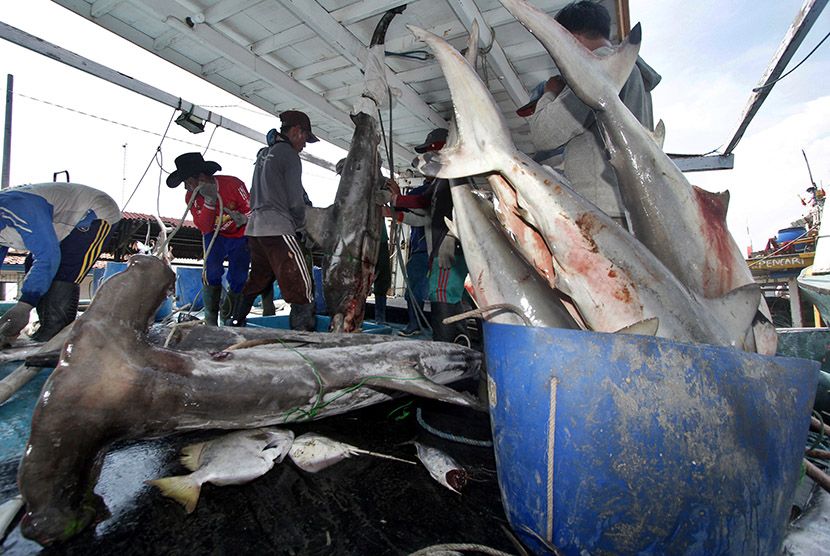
(205, 378)
(531, 243)
(679, 275)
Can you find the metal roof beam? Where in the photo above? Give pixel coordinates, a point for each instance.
(173, 15)
(364, 10)
(330, 30)
(295, 34)
(103, 7)
(467, 11)
(225, 9)
(807, 16)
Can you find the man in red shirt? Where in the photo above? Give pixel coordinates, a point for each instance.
(221, 201)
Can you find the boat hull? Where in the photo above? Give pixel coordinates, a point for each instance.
(613, 443)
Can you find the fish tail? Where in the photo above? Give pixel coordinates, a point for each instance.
(482, 140)
(182, 489)
(593, 79)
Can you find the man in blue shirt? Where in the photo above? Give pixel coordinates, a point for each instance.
(64, 227)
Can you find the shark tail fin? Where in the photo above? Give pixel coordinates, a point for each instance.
(481, 130)
(618, 65)
(593, 79)
(182, 489)
(736, 310)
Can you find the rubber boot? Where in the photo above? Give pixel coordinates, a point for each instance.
(447, 332)
(211, 296)
(302, 317)
(228, 302)
(56, 309)
(380, 309)
(268, 308)
(241, 309)
(413, 326)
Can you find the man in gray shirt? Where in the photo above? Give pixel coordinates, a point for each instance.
(561, 119)
(276, 224)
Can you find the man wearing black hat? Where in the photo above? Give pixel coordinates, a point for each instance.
(229, 243)
(276, 224)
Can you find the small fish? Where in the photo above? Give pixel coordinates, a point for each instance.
(232, 459)
(313, 452)
(442, 467)
(8, 511)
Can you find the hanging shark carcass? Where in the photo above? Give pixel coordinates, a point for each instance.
(349, 231)
(614, 280)
(684, 226)
(499, 273)
(111, 384)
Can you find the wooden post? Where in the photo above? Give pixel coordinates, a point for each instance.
(795, 302)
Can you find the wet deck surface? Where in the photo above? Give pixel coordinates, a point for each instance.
(360, 506)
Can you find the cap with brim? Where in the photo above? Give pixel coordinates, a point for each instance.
(437, 135)
(290, 118)
(535, 95)
(191, 164)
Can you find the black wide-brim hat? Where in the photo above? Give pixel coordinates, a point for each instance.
(191, 164)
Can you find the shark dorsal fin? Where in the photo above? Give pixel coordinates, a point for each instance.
(659, 133)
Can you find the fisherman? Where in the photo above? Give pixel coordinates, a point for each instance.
(447, 267)
(275, 229)
(383, 269)
(214, 194)
(64, 227)
(559, 119)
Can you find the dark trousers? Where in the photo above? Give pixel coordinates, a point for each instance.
(79, 251)
(283, 258)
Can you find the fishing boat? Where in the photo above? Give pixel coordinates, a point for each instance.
(587, 456)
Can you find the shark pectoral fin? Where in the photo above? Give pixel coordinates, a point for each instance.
(427, 389)
(317, 222)
(451, 227)
(645, 327)
(736, 310)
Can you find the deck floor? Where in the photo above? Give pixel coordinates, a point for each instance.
(360, 506)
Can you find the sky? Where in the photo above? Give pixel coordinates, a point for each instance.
(710, 54)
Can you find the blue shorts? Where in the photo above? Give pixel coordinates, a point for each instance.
(235, 250)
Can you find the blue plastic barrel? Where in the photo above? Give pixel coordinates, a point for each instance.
(789, 234)
(621, 444)
(114, 268)
(189, 288)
